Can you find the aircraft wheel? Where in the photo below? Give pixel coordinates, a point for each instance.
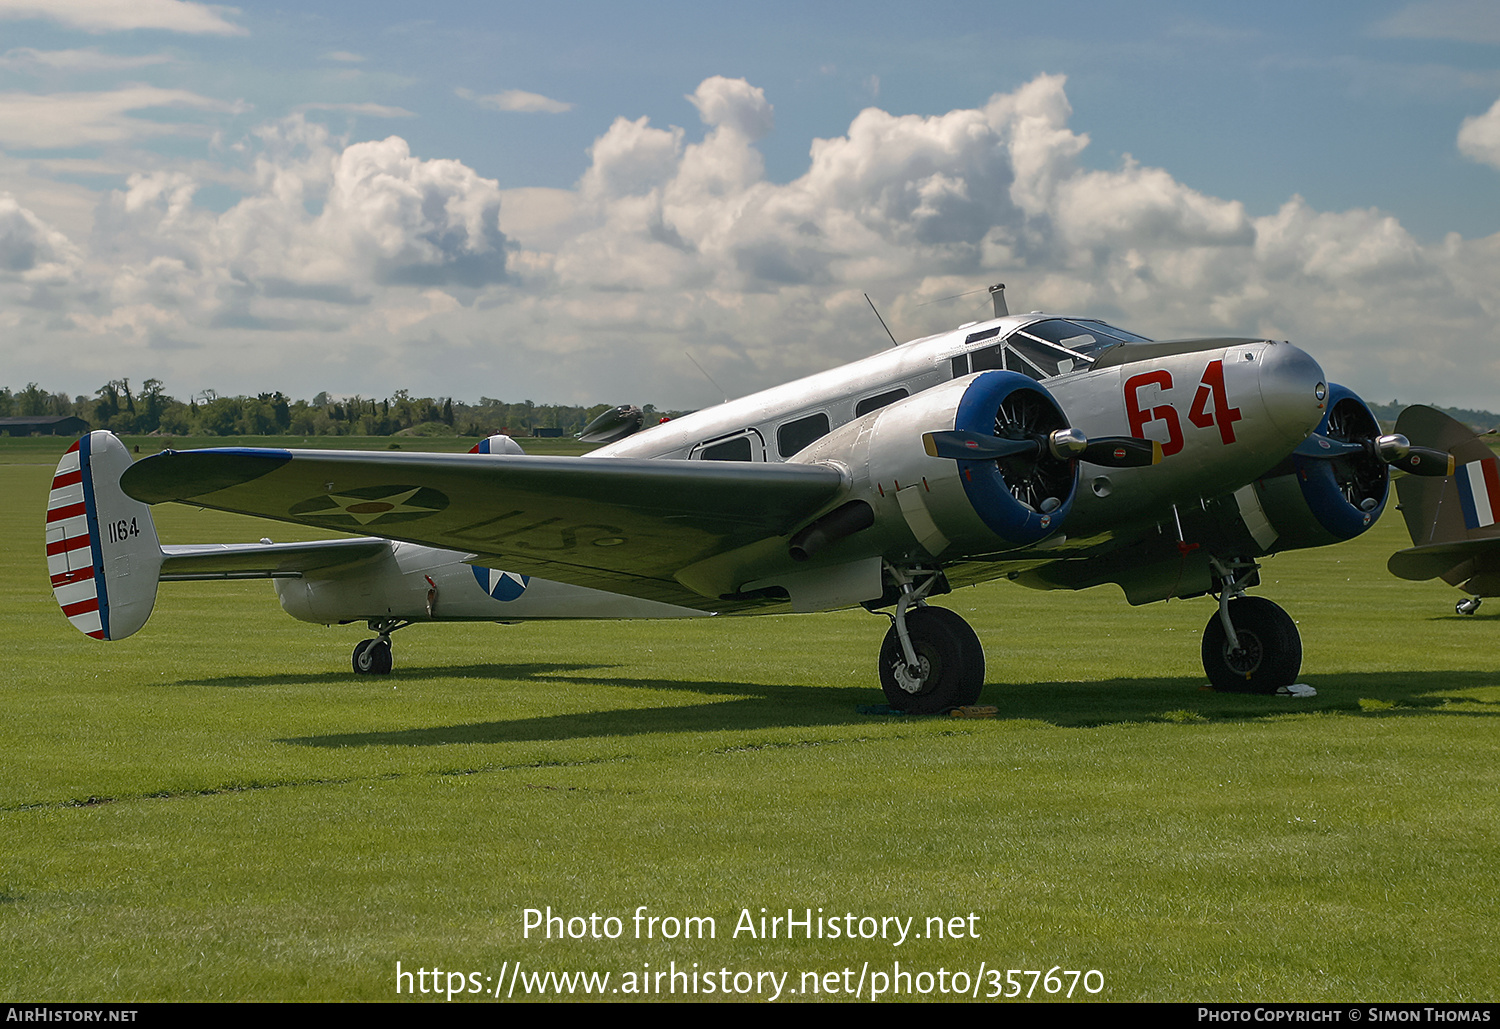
(373, 657)
(1270, 654)
(1467, 606)
(950, 661)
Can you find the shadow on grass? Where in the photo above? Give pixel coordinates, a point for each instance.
(537, 671)
(1064, 705)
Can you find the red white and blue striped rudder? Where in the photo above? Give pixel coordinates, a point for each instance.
(102, 552)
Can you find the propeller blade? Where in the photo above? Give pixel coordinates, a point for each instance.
(975, 446)
(1425, 461)
(1326, 448)
(1121, 452)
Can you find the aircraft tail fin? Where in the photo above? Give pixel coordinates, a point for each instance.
(1465, 505)
(1453, 522)
(102, 552)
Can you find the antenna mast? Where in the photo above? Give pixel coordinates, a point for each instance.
(883, 325)
(997, 297)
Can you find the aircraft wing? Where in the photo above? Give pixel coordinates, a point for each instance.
(627, 526)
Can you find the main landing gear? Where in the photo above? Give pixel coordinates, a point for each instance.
(1250, 645)
(931, 660)
(1467, 606)
(373, 657)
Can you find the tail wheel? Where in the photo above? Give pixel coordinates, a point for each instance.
(950, 663)
(1269, 655)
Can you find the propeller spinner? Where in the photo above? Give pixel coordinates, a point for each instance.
(1394, 449)
(1063, 444)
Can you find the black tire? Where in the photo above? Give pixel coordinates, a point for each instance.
(372, 657)
(1270, 654)
(361, 661)
(954, 659)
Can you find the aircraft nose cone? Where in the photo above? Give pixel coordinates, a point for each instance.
(1293, 388)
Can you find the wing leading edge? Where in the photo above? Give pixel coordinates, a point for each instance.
(626, 526)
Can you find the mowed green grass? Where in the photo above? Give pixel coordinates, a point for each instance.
(218, 809)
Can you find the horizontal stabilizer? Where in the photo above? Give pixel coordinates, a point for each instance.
(1429, 562)
(265, 560)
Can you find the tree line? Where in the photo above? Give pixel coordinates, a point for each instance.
(149, 409)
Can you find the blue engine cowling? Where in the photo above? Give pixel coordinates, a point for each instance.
(1314, 502)
(1022, 500)
(953, 507)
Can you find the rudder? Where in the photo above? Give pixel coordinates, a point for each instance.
(102, 552)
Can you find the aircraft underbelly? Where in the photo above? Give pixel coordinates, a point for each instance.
(419, 583)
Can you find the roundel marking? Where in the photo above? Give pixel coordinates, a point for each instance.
(501, 585)
(371, 505)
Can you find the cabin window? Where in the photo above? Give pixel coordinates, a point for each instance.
(960, 366)
(875, 403)
(730, 450)
(745, 445)
(794, 436)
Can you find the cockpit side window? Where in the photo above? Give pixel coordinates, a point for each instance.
(1052, 346)
(988, 358)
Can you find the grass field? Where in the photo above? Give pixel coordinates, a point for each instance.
(218, 809)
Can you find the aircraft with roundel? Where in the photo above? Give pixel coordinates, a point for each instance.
(1055, 452)
(1453, 522)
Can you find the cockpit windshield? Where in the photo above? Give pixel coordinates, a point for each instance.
(1052, 346)
(1084, 337)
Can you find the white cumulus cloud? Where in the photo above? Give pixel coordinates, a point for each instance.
(367, 263)
(1479, 137)
(30, 249)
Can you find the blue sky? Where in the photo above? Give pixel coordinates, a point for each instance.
(556, 202)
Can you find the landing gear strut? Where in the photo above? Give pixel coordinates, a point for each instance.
(373, 657)
(931, 660)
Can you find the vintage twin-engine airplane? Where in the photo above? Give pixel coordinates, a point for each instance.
(1057, 452)
(1454, 523)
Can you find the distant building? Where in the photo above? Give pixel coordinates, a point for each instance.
(546, 433)
(44, 425)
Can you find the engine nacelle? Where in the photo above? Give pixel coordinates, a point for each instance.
(1312, 502)
(939, 505)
